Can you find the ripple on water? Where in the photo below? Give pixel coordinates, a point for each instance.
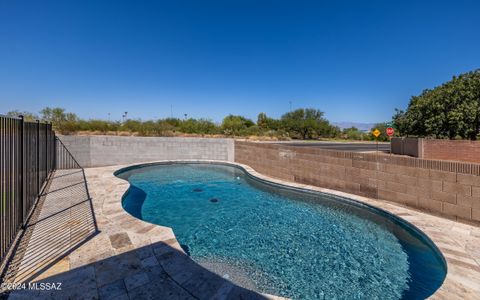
(269, 241)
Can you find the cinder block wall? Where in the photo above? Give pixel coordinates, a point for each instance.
(96, 151)
(468, 151)
(407, 146)
(454, 150)
(447, 188)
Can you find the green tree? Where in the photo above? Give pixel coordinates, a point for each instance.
(262, 121)
(28, 116)
(174, 122)
(198, 126)
(266, 123)
(352, 133)
(451, 110)
(234, 125)
(165, 127)
(57, 115)
(60, 119)
(134, 126)
(307, 123)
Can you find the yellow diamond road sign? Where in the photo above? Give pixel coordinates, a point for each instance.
(376, 132)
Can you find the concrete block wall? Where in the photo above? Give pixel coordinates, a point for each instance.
(407, 146)
(97, 151)
(446, 188)
(468, 151)
(437, 149)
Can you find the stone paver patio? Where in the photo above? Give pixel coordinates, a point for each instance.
(84, 239)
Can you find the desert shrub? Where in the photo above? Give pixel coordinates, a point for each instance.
(234, 125)
(199, 126)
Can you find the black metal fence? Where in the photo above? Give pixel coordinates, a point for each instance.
(63, 158)
(27, 158)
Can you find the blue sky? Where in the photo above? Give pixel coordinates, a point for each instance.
(354, 60)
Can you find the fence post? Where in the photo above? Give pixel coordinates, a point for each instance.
(22, 168)
(46, 151)
(420, 147)
(38, 157)
(55, 154)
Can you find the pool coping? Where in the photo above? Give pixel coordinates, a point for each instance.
(458, 242)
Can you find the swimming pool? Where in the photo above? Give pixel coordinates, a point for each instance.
(284, 241)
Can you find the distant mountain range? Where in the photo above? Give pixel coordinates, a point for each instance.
(360, 126)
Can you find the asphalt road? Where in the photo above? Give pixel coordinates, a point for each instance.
(355, 147)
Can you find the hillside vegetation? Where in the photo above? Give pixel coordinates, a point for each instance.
(301, 123)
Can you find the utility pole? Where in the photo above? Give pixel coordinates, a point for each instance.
(290, 102)
(171, 111)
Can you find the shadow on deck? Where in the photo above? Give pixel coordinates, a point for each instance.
(157, 271)
(62, 221)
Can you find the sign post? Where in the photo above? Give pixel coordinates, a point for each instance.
(390, 132)
(376, 133)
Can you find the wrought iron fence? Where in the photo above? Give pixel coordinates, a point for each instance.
(63, 158)
(27, 159)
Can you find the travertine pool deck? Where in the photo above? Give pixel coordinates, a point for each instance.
(84, 239)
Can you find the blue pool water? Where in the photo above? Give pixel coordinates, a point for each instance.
(287, 242)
